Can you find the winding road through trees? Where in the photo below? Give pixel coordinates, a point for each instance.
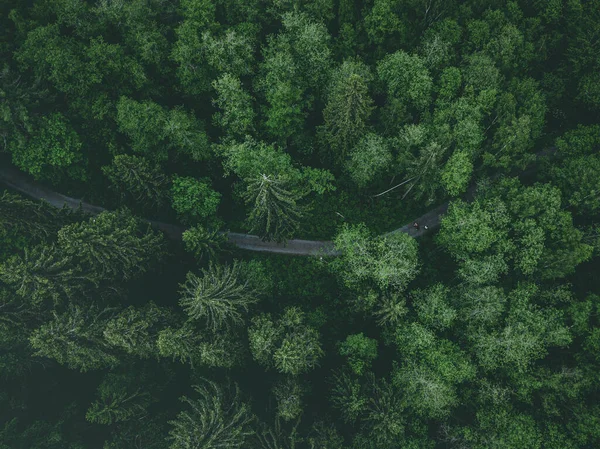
(20, 182)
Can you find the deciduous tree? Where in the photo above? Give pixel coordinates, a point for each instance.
(360, 350)
(288, 344)
(194, 199)
(369, 159)
(236, 117)
(54, 151)
(389, 261)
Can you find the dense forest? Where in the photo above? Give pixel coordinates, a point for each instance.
(330, 120)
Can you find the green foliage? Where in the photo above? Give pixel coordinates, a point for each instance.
(432, 307)
(137, 181)
(231, 53)
(40, 434)
(103, 250)
(360, 350)
(273, 187)
(324, 436)
(22, 216)
(202, 242)
(236, 117)
(113, 245)
(275, 213)
(194, 199)
(288, 394)
(44, 273)
(390, 310)
(525, 224)
(348, 397)
(474, 227)
(431, 370)
(117, 402)
(408, 82)
(217, 418)
(52, 153)
(135, 330)
(502, 428)
(383, 422)
(369, 159)
(347, 111)
(219, 297)
(420, 161)
(288, 344)
(389, 261)
(296, 63)
(482, 346)
(154, 131)
(577, 173)
(483, 270)
(188, 344)
(74, 339)
(527, 334)
(457, 173)
(589, 91)
(385, 22)
(251, 158)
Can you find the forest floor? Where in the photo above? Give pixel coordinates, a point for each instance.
(21, 182)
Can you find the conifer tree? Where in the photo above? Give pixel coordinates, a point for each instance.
(275, 213)
(137, 182)
(74, 338)
(347, 111)
(217, 418)
(219, 297)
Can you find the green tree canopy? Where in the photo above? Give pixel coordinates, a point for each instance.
(389, 261)
(288, 344)
(194, 199)
(220, 296)
(218, 417)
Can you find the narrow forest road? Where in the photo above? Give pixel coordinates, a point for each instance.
(21, 182)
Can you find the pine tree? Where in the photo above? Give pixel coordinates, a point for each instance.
(118, 401)
(347, 112)
(74, 339)
(135, 330)
(218, 418)
(202, 242)
(34, 220)
(275, 211)
(219, 297)
(138, 183)
(45, 273)
(113, 245)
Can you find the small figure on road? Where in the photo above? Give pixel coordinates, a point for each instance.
(416, 225)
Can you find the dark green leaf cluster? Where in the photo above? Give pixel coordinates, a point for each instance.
(474, 326)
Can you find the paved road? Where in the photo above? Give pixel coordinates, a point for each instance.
(19, 181)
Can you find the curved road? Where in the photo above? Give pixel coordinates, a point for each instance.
(19, 181)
